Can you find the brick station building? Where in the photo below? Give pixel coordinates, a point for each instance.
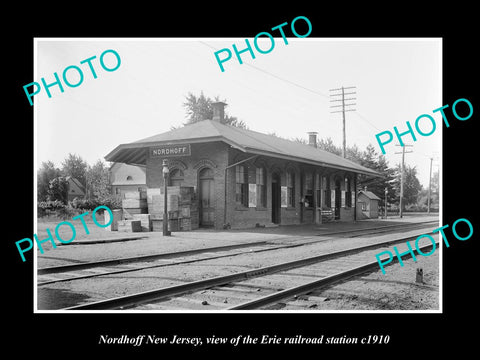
(243, 178)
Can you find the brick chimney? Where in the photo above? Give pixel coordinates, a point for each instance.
(218, 111)
(312, 138)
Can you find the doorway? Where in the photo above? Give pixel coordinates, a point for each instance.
(206, 208)
(276, 198)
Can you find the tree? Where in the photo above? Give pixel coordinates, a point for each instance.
(98, 184)
(372, 160)
(328, 145)
(200, 108)
(422, 199)
(76, 167)
(368, 158)
(58, 189)
(45, 174)
(411, 184)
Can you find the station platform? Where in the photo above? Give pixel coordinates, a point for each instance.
(101, 244)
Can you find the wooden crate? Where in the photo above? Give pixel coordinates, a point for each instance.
(157, 224)
(173, 225)
(117, 216)
(187, 195)
(173, 214)
(185, 224)
(129, 226)
(134, 203)
(184, 211)
(145, 221)
(128, 213)
(137, 195)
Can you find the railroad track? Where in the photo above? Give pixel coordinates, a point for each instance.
(87, 270)
(255, 288)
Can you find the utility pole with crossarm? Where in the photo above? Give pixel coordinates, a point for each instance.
(344, 103)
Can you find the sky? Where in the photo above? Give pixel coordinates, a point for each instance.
(285, 91)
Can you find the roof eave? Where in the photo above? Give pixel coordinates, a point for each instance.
(312, 162)
(144, 145)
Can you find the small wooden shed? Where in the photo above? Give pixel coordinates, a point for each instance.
(367, 205)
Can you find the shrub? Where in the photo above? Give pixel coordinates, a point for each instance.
(90, 204)
(84, 204)
(67, 212)
(51, 205)
(110, 201)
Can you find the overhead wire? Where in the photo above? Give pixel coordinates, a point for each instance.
(294, 84)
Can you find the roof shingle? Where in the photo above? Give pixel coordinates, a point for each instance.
(245, 140)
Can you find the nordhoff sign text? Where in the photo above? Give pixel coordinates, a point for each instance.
(170, 150)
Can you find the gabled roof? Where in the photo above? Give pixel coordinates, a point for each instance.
(369, 194)
(247, 141)
(74, 181)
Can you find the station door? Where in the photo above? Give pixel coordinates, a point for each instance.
(338, 199)
(206, 198)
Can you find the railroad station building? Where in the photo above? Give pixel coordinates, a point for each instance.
(242, 178)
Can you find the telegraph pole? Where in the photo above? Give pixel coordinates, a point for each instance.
(402, 175)
(344, 103)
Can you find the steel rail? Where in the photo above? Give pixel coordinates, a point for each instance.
(157, 294)
(386, 227)
(110, 262)
(87, 265)
(316, 284)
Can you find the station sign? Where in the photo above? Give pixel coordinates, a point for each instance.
(170, 150)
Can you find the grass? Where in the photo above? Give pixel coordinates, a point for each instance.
(65, 232)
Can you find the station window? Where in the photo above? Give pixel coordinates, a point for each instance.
(176, 177)
(309, 190)
(348, 192)
(318, 191)
(327, 192)
(129, 178)
(290, 188)
(261, 191)
(241, 185)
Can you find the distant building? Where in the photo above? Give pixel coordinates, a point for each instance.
(75, 189)
(368, 204)
(124, 177)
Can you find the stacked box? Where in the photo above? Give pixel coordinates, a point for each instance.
(117, 216)
(173, 214)
(151, 192)
(171, 190)
(135, 202)
(184, 211)
(194, 217)
(157, 224)
(187, 195)
(145, 221)
(173, 225)
(156, 207)
(181, 204)
(128, 213)
(142, 195)
(172, 202)
(185, 224)
(129, 226)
